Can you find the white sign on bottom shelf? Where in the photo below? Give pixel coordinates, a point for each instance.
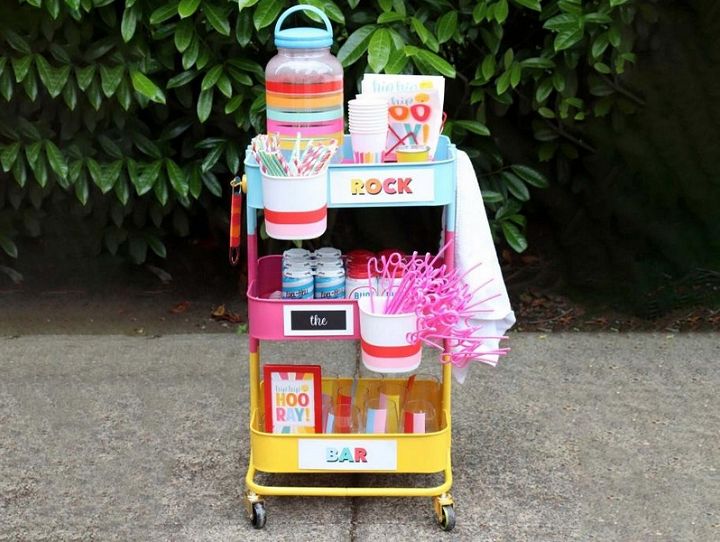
(347, 454)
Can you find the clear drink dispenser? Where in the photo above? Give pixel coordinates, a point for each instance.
(304, 84)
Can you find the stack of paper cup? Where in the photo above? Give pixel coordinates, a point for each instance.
(368, 128)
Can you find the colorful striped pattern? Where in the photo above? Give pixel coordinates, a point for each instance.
(414, 422)
(313, 109)
(376, 420)
(368, 157)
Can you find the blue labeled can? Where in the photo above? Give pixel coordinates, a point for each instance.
(297, 283)
(330, 283)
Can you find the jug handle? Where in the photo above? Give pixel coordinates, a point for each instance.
(304, 7)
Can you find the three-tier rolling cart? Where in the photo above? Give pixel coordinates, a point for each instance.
(350, 185)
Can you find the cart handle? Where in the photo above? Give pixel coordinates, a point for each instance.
(237, 186)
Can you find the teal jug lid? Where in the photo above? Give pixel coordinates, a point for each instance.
(303, 37)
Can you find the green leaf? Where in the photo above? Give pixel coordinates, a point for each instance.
(21, 67)
(110, 78)
(122, 190)
(111, 148)
(225, 86)
(568, 38)
(389, 17)
(474, 126)
(8, 246)
(144, 179)
(195, 182)
(502, 83)
(19, 171)
(82, 189)
(546, 112)
(8, 155)
(530, 176)
(426, 37)
(538, 62)
(330, 8)
(513, 236)
(446, 26)
(123, 94)
(212, 184)
(531, 4)
(163, 13)
(598, 18)
(501, 11)
(379, 49)
(182, 79)
(177, 177)
(490, 196)
(32, 152)
(488, 67)
(94, 96)
(233, 103)
(515, 185)
(85, 76)
(479, 12)
(601, 67)
(432, 60)
(211, 77)
(356, 45)
(217, 18)
(70, 94)
(184, 32)
(53, 7)
(242, 4)
(187, 7)
(204, 105)
(145, 145)
(6, 86)
(106, 175)
(212, 157)
(397, 61)
(243, 29)
(16, 41)
(161, 190)
(267, 12)
(156, 245)
(129, 23)
(143, 85)
(40, 172)
(191, 53)
(56, 159)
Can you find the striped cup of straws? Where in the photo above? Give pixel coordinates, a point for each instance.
(295, 188)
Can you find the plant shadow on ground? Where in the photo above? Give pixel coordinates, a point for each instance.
(66, 288)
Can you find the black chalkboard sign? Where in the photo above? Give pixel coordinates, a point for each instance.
(318, 320)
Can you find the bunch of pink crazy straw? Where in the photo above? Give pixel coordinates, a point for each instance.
(442, 302)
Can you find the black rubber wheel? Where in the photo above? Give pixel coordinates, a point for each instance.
(258, 515)
(448, 518)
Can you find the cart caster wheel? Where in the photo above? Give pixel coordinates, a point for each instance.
(447, 522)
(258, 515)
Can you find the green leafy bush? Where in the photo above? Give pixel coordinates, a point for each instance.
(138, 111)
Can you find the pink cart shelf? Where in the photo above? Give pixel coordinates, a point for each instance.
(270, 319)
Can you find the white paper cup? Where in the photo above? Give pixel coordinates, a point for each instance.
(295, 207)
(368, 147)
(384, 345)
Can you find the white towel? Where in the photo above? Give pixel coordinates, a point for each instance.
(474, 244)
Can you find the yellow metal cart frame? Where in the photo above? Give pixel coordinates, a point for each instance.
(426, 453)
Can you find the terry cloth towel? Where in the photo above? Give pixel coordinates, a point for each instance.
(474, 244)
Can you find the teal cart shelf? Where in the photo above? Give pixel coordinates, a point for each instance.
(379, 185)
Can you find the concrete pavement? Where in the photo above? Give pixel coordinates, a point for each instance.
(573, 437)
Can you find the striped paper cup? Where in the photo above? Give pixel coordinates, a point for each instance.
(295, 207)
(384, 346)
